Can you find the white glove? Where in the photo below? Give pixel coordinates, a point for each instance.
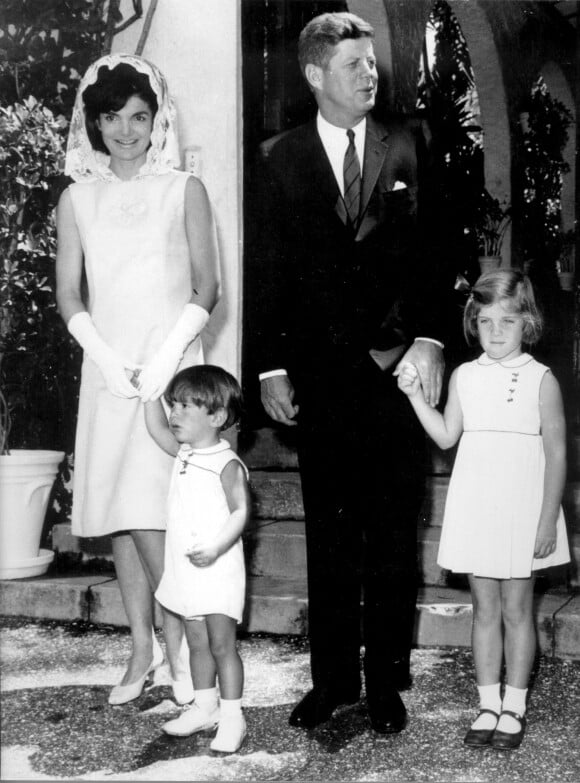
(111, 365)
(157, 373)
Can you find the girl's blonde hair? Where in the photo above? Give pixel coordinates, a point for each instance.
(512, 288)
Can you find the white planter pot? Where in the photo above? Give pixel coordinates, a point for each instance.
(26, 479)
(566, 281)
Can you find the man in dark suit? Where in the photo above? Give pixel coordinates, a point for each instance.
(349, 289)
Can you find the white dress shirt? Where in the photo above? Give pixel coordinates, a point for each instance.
(335, 143)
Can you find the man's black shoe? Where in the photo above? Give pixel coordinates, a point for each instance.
(317, 707)
(388, 714)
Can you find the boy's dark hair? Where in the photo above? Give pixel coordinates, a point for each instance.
(111, 91)
(318, 39)
(210, 386)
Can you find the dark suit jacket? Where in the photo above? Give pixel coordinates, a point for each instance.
(327, 294)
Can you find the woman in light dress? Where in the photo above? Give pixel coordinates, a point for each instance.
(503, 518)
(137, 277)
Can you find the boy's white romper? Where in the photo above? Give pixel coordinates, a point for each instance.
(197, 505)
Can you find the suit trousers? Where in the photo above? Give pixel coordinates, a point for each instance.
(361, 455)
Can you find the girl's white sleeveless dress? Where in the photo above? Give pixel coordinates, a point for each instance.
(197, 506)
(138, 274)
(496, 487)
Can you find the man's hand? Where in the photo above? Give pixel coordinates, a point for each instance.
(277, 395)
(428, 359)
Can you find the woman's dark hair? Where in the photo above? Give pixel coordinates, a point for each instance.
(210, 386)
(111, 91)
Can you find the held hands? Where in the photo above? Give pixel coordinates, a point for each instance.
(114, 371)
(408, 379)
(427, 357)
(156, 374)
(545, 540)
(277, 395)
(203, 552)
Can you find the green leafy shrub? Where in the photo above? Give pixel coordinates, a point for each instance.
(37, 353)
(39, 362)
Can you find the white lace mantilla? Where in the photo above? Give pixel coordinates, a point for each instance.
(84, 164)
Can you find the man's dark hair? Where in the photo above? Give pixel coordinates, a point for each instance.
(321, 34)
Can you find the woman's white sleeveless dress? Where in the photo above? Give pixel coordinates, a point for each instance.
(197, 506)
(138, 272)
(496, 487)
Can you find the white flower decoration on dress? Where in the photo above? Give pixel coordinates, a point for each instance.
(85, 164)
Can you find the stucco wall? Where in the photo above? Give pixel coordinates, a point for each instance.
(196, 43)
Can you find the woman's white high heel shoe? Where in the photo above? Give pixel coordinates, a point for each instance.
(122, 694)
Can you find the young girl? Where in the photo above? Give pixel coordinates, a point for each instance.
(503, 519)
(204, 579)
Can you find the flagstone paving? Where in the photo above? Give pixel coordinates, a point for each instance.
(56, 723)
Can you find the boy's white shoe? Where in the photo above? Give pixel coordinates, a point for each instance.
(192, 719)
(230, 734)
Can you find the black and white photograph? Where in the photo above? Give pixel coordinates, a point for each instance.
(316, 259)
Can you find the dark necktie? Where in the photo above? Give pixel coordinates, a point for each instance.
(352, 180)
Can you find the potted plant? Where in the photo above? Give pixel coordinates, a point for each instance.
(36, 353)
(565, 262)
(490, 224)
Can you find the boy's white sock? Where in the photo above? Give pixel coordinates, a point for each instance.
(231, 727)
(206, 699)
(489, 699)
(514, 699)
(229, 707)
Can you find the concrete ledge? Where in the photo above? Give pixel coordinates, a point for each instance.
(566, 630)
(60, 598)
(276, 549)
(443, 618)
(280, 606)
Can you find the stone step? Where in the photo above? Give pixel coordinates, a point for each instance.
(277, 548)
(443, 616)
(277, 495)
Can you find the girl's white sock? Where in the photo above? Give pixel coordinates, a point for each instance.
(514, 699)
(489, 699)
(230, 707)
(206, 699)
